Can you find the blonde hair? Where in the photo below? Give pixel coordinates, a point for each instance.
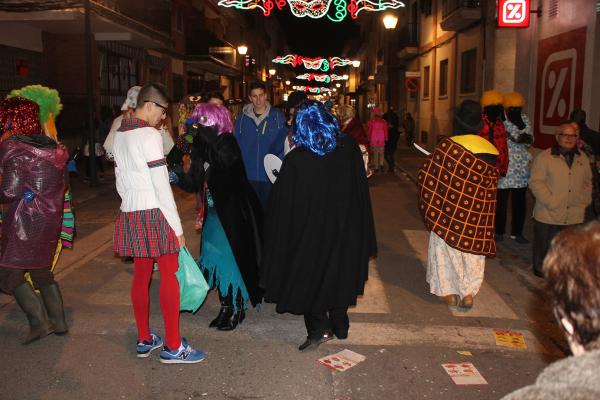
(345, 112)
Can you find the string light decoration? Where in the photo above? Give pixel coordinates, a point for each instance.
(322, 77)
(335, 10)
(312, 89)
(318, 63)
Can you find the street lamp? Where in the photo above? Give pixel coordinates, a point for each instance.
(272, 71)
(356, 63)
(287, 83)
(243, 50)
(337, 85)
(390, 21)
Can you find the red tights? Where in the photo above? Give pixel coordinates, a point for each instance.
(169, 297)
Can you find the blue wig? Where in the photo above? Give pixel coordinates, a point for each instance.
(315, 128)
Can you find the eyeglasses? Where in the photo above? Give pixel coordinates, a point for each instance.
(164, 109)
(567, 136)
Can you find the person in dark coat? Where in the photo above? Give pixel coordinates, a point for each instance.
(231, 214)
(32, 193)
(393, 135)
(319, 230)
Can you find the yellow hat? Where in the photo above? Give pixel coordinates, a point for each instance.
(491, 98)
(513, 99)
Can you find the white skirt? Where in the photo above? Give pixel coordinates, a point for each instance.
(451, 271)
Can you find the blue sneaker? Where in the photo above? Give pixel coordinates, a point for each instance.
(146, 347)
(183, 355)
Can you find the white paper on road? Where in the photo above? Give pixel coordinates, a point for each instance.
(464, 373)
(342, 361)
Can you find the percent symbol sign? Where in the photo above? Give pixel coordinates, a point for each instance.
(515, 11)
(557, 86)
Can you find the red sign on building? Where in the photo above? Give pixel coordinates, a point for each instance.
(559, 83)
(513, 13)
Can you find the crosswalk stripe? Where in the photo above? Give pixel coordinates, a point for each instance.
(487, 302)
(374, 299)
(458, 337)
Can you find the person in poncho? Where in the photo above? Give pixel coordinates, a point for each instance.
(230, 214)
(32, 193)
(457, 200)
(319, 230)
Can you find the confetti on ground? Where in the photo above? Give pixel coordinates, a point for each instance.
(464, 353)
(512, 339)
(464, 373)
(342, 361)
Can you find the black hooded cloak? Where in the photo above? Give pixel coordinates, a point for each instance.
(319, 231)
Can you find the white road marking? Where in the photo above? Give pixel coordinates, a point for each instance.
(374, 299)
(487, 302)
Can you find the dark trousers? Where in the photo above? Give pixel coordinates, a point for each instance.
(542, 236)
(518, 208)
(12, 278)
(317, 323)
(389, 151)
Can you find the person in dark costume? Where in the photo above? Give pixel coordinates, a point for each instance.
(319, 230)
(231, 214)
(32, 193)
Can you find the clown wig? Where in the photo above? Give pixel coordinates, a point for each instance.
(315, 128)
(213, 115)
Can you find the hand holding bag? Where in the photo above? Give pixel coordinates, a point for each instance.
(192, 285)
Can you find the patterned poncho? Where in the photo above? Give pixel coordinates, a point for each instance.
(457, 198)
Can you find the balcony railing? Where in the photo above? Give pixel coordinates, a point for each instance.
(449, 6)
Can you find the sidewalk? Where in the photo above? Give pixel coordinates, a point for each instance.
(409, 160)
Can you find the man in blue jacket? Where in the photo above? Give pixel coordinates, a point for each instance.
(260, 130)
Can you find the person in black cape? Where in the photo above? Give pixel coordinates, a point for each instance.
(230, 215)
(319, 231)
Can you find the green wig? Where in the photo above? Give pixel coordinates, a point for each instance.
(47, 99)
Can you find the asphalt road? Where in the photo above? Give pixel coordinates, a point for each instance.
(404, 332)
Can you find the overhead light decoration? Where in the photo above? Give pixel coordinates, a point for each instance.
(317, 63)
(313, 89)
(335, 10)
(322, 77)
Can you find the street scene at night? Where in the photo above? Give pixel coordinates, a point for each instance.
(301, 199)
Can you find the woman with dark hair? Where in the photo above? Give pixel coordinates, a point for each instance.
(572, 271)
(230, 215)
(319, 231)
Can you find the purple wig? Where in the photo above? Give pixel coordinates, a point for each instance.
(213, 115)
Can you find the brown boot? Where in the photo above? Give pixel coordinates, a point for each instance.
(451, 299)
(467, 302)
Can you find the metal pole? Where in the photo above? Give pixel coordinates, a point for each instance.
(90, 95)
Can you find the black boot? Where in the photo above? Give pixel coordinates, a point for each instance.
(224, 313)
(339, 322)
(39, 325)
(232, 319)
(54, 306)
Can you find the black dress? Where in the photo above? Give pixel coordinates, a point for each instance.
(319, 231)
(236, 203)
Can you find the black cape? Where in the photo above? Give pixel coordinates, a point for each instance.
(319, 231)
(237, 206)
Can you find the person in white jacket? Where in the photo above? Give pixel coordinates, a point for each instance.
(148, 227)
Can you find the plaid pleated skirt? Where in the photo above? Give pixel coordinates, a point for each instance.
(144, 233)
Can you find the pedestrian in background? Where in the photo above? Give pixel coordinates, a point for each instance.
(514, 184)
(572, 270)
(408, 125)
(148, 227)
(319, 231)
(32, 194)
(457, 200)
(392, 140)
(260, 130)
(377, 131)
(352, 126)
(561, 182)
(230, 214)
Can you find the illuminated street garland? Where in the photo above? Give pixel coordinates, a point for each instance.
(313, 89)
(318, 63)
(316, 8)
(322, 77)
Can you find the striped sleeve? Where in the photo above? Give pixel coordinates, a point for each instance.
(157, 163)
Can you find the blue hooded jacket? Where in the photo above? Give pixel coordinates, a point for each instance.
(258, 137)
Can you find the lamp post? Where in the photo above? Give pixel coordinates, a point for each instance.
(389, 21)
(242, 50)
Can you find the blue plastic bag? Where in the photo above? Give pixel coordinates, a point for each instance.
(192, 285)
